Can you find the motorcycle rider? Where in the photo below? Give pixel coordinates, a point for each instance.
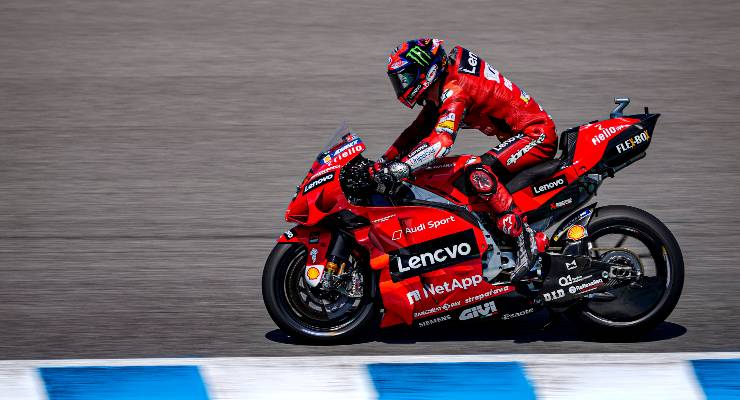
(461, 89)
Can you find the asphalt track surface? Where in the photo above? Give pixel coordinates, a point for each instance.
(148, 150)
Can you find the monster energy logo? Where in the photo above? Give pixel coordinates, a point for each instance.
(420, 56)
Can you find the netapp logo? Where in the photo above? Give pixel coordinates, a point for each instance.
(433, 254)
(318, 182)
(552, 184)
(483, 310)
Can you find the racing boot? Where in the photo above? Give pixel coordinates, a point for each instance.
(510, 220)
(529, 243)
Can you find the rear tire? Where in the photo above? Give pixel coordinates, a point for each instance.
(670, 269)
(284, 259)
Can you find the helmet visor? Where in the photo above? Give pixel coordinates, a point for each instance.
(403, 80)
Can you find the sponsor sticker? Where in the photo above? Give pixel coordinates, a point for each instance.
(508, 84)
(446, 95)
(554, 295)
(576, 232)
(435, 310)
(561, 203)
(432, 73)
(433, 255)
(524, 150)
(314, 253)
(469, 63)
(418, 55)
(496, 291)
(606, 133)
(441, 166)
(549, 185)
(491, 73)
(524, 96)
(480, 311)
(506, 143)
(435, 320)
(396, 65)
(383, 219)
(585, 287)
(632, 142)
(323, 180)
(313, 274)
(569, 280)
(345, 147)
(357, 148)
(431, 289)
(313, 237)
(518, 314)
(423, 155)
(446, 123)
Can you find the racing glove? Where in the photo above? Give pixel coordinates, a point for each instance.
(387, 175)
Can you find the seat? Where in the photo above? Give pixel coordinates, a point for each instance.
(532, 175)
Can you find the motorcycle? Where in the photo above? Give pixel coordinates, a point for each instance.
(429, 253)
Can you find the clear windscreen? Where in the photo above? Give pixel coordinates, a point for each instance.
(340, 138)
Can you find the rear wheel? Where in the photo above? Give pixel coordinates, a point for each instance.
(632, 237)
(314, 314)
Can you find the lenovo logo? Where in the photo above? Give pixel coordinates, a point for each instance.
(318, 182)
(552, 184)
(432, 255)
(438, 256)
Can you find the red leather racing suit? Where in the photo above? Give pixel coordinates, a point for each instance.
(474, 94)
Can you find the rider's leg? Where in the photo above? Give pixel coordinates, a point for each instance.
(509, 218)
(534, 145)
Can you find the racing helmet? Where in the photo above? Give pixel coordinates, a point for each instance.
(414, 66)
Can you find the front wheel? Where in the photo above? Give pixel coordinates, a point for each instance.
(311, 314)
(632, 237)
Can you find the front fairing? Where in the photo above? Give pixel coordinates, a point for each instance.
(320, 193)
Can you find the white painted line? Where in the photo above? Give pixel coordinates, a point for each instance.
(555, 376)
(232, 380)
(570, 358)
(21, 383)
(647, 381)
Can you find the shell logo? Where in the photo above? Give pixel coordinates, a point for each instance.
(313, 273)
(576, 232)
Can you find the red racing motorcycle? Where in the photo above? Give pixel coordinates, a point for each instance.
(429, 254)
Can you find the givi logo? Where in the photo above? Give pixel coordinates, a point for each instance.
(483, 310)
(433, 254)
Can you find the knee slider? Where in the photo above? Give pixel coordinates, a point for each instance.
(482, 180)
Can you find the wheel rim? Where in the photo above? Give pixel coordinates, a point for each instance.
(314, 312)
(636, 302)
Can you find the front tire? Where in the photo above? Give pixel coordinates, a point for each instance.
(638, 307)
(292, 305)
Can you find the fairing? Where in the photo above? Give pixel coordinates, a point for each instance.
(429, 255)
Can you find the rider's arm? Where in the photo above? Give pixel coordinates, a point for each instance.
(442, 137)
(412, 135)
